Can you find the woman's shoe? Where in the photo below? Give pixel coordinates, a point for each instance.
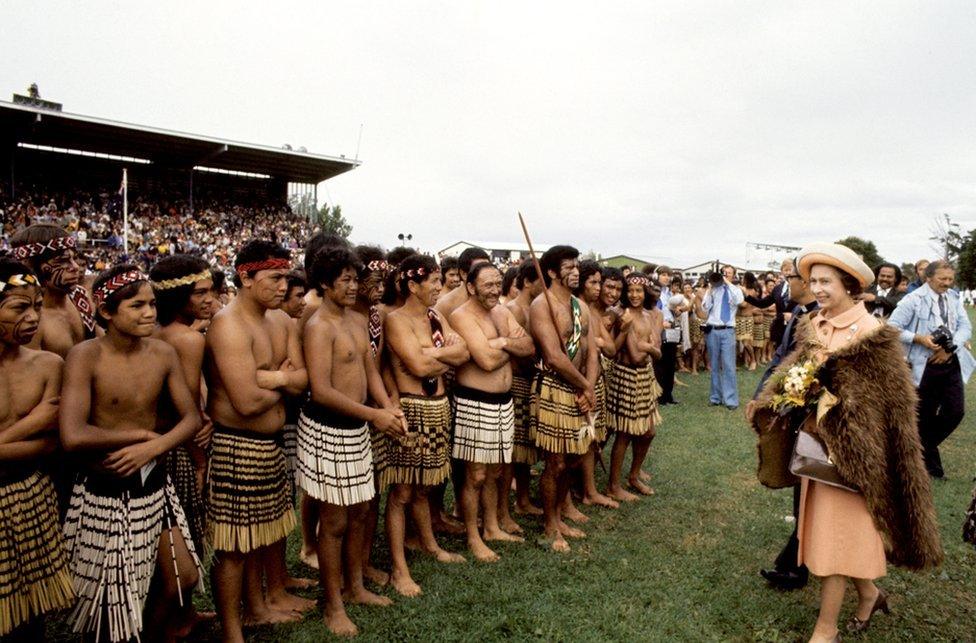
(880, 603)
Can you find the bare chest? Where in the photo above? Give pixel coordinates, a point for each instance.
(127, 383)
(21, 389)
(269, 344)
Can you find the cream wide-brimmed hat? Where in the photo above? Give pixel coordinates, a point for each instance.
(836, 255)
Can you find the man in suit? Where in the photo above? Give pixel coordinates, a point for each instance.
(939, 374)
(882, 297)
(781, 297)
(786, 574)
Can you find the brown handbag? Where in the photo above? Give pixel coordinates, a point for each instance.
(812, 460)
(775, 448)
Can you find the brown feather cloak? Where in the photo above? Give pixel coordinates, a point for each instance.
(872, 434)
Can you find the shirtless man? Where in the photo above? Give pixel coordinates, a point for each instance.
(484, 418)
(422, 347)
(589, 291)
(335, 460)
(294, 303)
(631, 394)
(253, 360)
(373, 271)
(524, 453)
(566, 397)
(125, 523)
(68, 314)
(183, 288)
(34, 577)
(450, 277)
(446, 304)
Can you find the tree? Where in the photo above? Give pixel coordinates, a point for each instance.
(948, 237)
(867, 250)
(966, 261)
(332, 222)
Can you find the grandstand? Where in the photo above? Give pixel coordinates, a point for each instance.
(186, 192)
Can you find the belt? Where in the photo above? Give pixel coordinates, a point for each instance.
(714, 327)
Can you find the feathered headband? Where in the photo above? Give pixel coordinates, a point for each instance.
(15, 281)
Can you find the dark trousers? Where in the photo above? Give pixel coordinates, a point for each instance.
(786, 562)
(940, 409)
(664, 371)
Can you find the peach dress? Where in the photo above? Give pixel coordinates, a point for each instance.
(837, 534)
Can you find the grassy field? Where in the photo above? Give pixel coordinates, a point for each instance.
(681, 566)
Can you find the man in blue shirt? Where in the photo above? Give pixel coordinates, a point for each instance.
(720, 303)
(939, 374)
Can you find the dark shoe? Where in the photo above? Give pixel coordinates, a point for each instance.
(732, 407)
(784, 580)
(880, 603)
(715, 404)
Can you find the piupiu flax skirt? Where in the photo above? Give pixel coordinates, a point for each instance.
(335, 458)
(423, 457)
(183, 475)
(289, 444)
(112, 534)
(248, 501)
(743, 328)
(632, 400)
(523, 445)
(484, 426)
(560, 426)
(34, 576)
(600, 414)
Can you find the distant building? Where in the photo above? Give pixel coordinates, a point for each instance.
(501, 252)
(701, 269)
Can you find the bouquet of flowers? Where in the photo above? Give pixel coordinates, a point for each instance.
(798, 388)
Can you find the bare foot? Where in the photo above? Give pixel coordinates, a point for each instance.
(310, 558)
(503, 535)
(645, 476)
(570, 532)
(621, 494)
(444, 556)
(285, 602)
(509, 525)
(600, 500)
(412, 543)
(340, 624)
(299, 583)
(375, 575)
(641, 487)
(193, 620)
(555, 542)
(366, 597)
(528, 510)
(269, 617)
(404, 585)
(572, 513)
(448, 525)
(482, 552)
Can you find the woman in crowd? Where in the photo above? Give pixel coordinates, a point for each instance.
(866, 417)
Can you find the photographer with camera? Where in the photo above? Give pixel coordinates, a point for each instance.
(720, 303)
(934, 328)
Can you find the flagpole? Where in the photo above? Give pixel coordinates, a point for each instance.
(125, 212)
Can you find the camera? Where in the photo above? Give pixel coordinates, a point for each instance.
(714, 278)
(943, 339)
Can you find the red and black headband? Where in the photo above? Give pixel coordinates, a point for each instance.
(112, 285)
(54, 246)
(266, 264)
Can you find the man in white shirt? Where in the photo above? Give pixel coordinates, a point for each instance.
(720, 303)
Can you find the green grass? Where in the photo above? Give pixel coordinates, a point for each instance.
(680, 566)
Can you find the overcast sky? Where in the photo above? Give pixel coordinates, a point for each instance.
(678, 130)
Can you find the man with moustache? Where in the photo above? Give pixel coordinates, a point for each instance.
(484, 420)
(883, 296)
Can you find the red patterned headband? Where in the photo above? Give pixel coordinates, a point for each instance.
(267, 264)
(120, 280)
(637, 278)
(56, 245)
(417, 272)
(377, 264)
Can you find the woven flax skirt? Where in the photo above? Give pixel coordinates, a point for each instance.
(484, 426)
(335, 459)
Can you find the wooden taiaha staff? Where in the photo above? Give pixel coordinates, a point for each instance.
(552, 311)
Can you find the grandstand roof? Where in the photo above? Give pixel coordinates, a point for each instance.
(38, 126)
